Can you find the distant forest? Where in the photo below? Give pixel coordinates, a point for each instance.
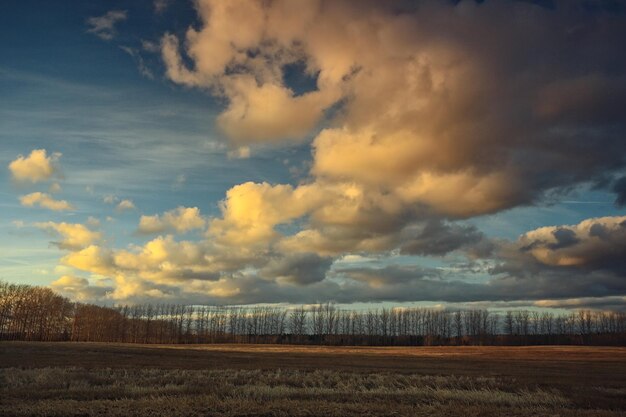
(39, 314)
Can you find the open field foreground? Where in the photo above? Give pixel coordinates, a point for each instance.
(80, 379)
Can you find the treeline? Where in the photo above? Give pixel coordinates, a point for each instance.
(39, 314)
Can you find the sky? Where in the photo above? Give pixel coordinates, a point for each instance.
(428, 153)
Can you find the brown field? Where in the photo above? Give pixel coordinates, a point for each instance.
(81, 379)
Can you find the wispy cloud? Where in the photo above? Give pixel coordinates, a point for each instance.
(104, 26)
(141, 64)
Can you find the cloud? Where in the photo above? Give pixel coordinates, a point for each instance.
(93, 259)
(142, 67)
(619, 188)
(110, 199)
(615, 303)
(93, 221)
(301, 269)
(438, 238)
(261, 107)
(590, 99)
(74, 236)
(125, 205)
(120, 204)
(55, 187)
(596, 243)
(417, 115)
(45, 201)
(417, 118)
(104, 26)
(36, 167)
(160, 263)
(393, 276)
(268, 112)
(18, 223)
(160, 6)
(242, 152)
(180, 220)
(251, 211)
(536, 268)
(79, 288)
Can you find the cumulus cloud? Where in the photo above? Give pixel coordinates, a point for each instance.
(251, 211)
(45, 201)
(418, 119)
(79, 288)
(429, 114)
(36, 167)
(120, 204)
(104, 26)
(597, 243)
(180, 220)
(93, 258)
(535, 268)
(74, 236)
(125, 205)
(261, 107)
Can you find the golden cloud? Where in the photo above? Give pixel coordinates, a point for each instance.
(45, 201)
(36, 167)
(74, 235)
(180, 220)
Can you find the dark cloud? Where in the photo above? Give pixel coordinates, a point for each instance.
(439, 238)
(564, 238)
(588, 100)
(619, 188)
(303, 268)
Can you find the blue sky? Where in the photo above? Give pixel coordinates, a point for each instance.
(233, 121)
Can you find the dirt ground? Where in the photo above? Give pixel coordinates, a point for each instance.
(589, 381)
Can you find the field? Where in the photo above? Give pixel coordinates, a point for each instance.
(81, 379)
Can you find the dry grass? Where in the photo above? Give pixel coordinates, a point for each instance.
(74, 391)
(74, 380)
